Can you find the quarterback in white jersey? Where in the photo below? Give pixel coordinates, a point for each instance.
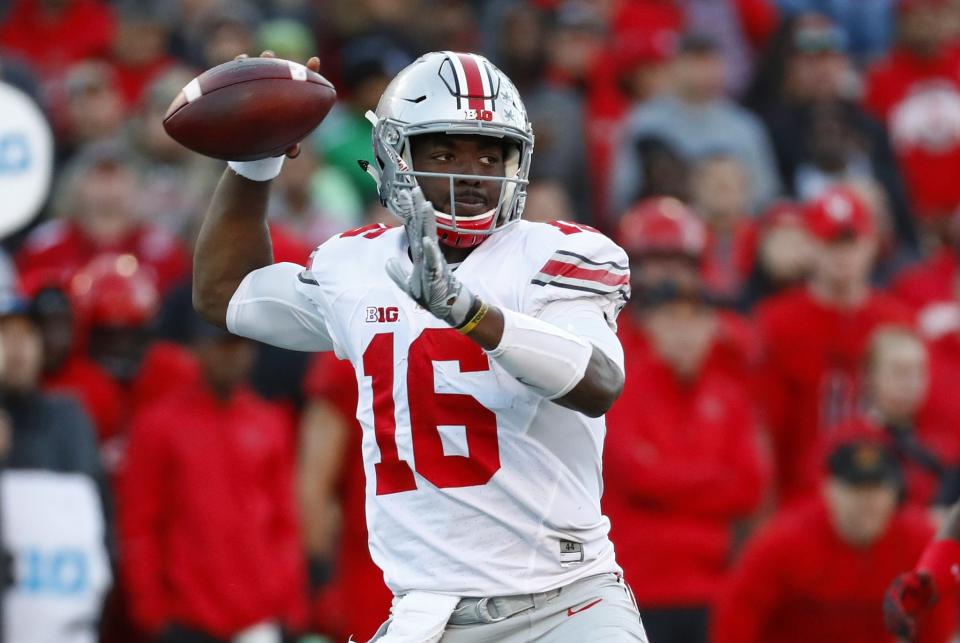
(485, 351)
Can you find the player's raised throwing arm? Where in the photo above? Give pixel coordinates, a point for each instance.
(234, 240)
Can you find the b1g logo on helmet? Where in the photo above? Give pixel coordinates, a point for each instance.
(478, 114)
(382, 314)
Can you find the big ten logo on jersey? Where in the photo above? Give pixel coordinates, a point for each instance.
(57, 571)
(478, 114)
(382, 314)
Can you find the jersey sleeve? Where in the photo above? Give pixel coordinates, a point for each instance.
(271, 306)
(575, 263)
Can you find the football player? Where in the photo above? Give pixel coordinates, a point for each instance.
(486, 357)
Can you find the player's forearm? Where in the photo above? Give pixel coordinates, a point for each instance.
(594, 392)
(232, 242)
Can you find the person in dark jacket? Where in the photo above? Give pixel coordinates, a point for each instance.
(55, 504)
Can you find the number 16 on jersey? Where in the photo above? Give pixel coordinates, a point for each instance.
(430, 410)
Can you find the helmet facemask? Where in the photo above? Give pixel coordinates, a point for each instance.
(392, 148)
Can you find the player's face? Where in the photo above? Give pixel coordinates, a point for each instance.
(460, 154)
(860, 513)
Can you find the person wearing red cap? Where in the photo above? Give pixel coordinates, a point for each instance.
(96, 214)
(815, 336)
(915, 91)
(683, 464)
(666, 242)
(818, 571)
(115, 302)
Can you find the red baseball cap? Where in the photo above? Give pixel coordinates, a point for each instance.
(662, 225)
(839, 213)
(115, 290)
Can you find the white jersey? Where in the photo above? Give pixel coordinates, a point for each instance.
(476, 485)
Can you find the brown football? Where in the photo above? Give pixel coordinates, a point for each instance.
(249, 109)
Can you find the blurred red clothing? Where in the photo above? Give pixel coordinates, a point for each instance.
(208, 525)
(357, 601)
(940, 415)
(681, 465)
(936, 280)
(287, 246)
(735, 348)
(53, 40)
(932, 290)
(133, 80)
(63, 246)
(797, 582)
(728, 260)
(101, 396)
(919, 101)
(167, 368)
(811, 373)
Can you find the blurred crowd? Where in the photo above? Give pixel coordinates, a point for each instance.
(784, 175)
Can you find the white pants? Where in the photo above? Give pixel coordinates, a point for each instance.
(599, 609)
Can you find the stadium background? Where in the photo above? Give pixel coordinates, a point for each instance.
(726, 131)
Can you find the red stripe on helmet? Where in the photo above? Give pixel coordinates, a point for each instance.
(471, 70)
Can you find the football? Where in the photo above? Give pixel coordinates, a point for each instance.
(249, 108)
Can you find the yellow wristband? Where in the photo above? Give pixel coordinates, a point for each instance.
(476, 319)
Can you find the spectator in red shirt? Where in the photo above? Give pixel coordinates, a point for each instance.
(666, 241)
(354, 596)
(915, 91)
(818, 571)
(932, 288)
(816, 336)
(682, 462)
(898, 385)
(97, 207)
(720, 191)
(897, 378)
(211, 541)
(940, 415)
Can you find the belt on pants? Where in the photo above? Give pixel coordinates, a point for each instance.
(493, 609)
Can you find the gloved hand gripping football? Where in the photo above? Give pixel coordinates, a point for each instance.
(431, 283)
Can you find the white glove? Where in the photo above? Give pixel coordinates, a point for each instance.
(431, 283)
